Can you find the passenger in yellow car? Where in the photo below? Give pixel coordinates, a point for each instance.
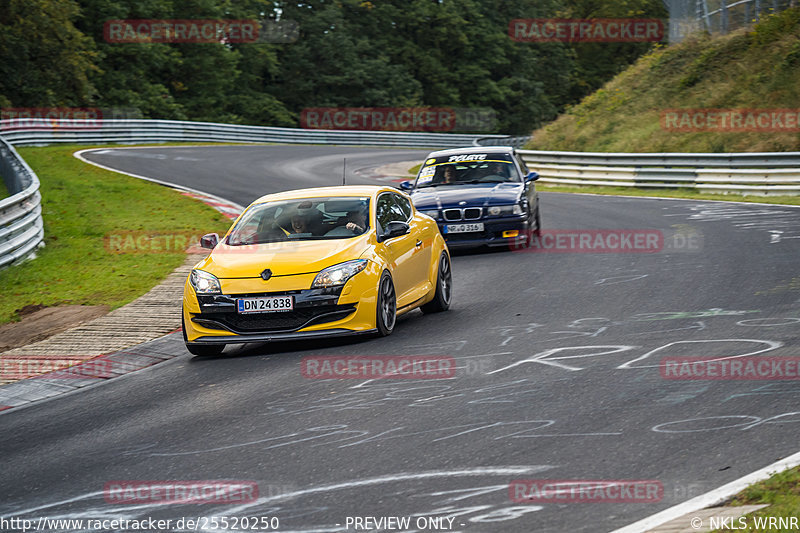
(300, 224)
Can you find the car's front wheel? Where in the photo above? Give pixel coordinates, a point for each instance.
(534, 219)
(200, 349)
(444, 288)
(387, 305)
(538, 231)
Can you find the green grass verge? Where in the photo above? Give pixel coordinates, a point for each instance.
(3, 190)
(81, 204)
(671, 193)
(781, 492)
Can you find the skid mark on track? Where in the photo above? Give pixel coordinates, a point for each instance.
(780, 223)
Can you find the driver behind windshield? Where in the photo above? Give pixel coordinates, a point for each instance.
(356, 221)
(446, 174)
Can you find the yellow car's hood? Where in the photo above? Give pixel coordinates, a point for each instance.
(282, 258)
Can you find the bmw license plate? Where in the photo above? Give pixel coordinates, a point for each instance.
(463, 228)
(265, 304)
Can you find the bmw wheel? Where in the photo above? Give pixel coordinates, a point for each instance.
(533, 233)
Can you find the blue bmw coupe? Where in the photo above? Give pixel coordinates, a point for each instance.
(479, 196)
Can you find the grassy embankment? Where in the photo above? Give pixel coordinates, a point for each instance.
(82, 204)
(757, 69)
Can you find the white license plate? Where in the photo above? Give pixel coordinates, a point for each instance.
(265, 304)
(463, 228)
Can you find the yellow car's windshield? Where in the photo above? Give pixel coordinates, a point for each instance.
(302, 219)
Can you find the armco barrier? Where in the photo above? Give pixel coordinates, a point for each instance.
(773, 173)
(21, 228)
(21, 231)
(42, 131)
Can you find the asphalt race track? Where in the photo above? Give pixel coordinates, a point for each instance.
(558, 378)
(242, 174)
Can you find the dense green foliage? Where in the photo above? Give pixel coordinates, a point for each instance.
(356, 53)
(757, 69)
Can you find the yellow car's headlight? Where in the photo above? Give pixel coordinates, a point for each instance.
(204, 283)
(338, 274)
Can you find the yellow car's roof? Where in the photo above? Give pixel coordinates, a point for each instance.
(318, 192)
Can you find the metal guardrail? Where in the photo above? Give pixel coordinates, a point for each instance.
(21, 226)
(42, 131)
(742, 173)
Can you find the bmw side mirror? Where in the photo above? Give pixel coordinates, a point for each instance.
(531, 176)
(394, 229)
(406, 185)
(209, 240)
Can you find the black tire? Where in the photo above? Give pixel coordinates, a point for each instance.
(538, 230)
(534, 233)
(444, 287)
(200, 349)
(386, 313)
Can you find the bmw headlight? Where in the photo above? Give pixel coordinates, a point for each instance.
(434, 214)
(504, 210)
(338, 274)
(204, 283)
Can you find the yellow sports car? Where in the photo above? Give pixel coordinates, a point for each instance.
(313, 263)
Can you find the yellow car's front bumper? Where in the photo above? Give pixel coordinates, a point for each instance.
(345, 310)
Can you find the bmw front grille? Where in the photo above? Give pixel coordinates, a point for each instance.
(467, 213)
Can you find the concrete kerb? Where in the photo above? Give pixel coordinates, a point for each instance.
(123, 351)
(31, 391)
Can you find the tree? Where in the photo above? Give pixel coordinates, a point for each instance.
(596, 63)
(46, 60)
(137, 75)
(350, 53)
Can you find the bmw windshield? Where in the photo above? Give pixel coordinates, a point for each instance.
(302, 219)
(494, 170)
